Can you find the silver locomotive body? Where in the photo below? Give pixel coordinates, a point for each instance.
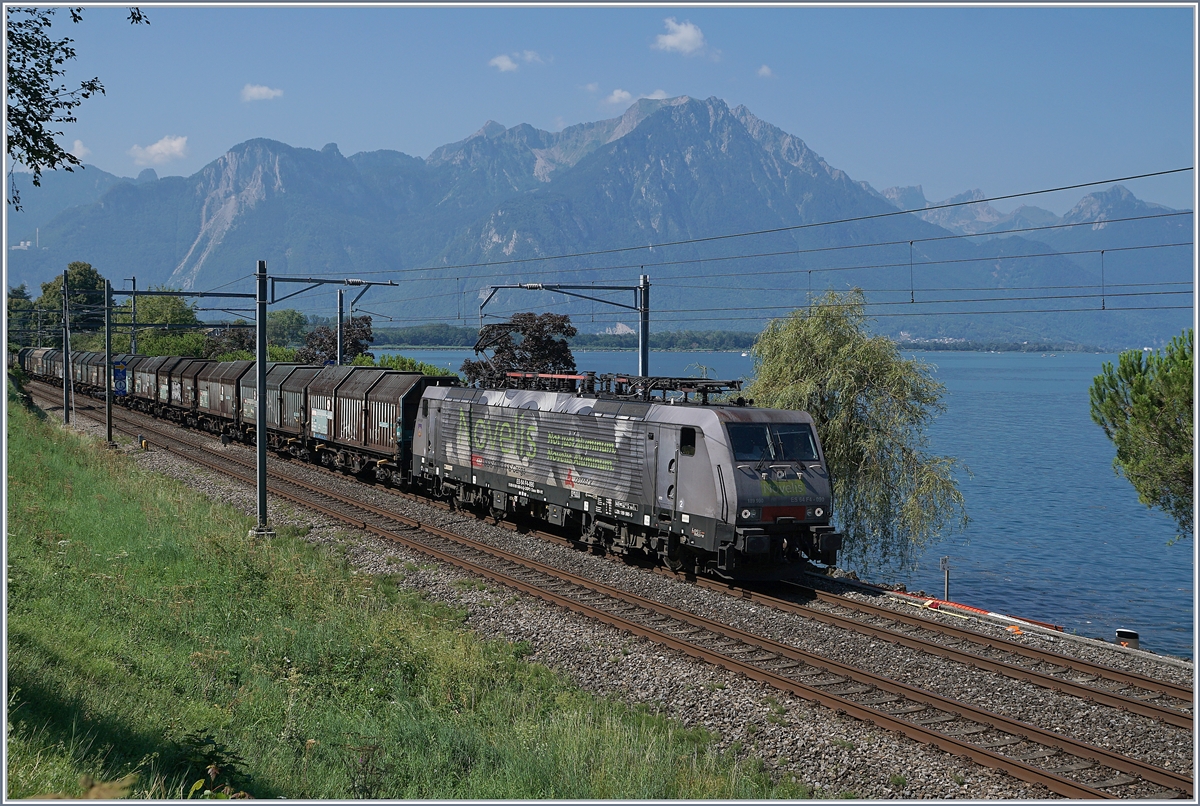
(732, 490)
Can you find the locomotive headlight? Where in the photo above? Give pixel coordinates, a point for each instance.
(746, 514)
(818, 512)
(751, 513)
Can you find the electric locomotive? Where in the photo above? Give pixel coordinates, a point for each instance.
(722, 488)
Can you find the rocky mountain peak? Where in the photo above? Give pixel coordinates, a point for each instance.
(1116, 202)
(641, 109)
(907, 198)
(491, 129)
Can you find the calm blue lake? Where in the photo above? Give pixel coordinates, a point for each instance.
(1055, 535)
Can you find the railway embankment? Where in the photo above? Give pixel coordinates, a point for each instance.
(149, 637)
(790, 738)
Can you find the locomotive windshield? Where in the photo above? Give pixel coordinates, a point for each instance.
(787, 442)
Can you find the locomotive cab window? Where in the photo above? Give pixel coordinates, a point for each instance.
(788, 442)
(687, 441)
(425, 408)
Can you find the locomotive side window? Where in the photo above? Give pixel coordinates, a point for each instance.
(751, 442)
(687, 441)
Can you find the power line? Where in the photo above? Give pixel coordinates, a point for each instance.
(789, 228)
(614, 317)
(669, 281)
(816, 250)
(870, 304)
(931, 288)
(933, 301)
(666, 282)
(905, 264)
(822, 249)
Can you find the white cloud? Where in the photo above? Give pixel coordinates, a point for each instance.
(657, 95)
(766, 72)
(259, 92)
(685, 38)
(507, 63)
(80, 150)
(167, 149)
(618, 97)
(593, 87)
(503, 63)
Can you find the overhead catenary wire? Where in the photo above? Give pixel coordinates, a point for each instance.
(772, 230)
(687, 317)
(790, 252)
(824, 249)
(935, 288)
(667, 281)
(920, 264)
(673, 280)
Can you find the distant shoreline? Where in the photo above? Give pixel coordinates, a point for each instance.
(965, 347)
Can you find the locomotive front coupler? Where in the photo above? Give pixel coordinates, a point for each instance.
(827, 543)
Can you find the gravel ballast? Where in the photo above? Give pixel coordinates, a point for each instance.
(837, 755)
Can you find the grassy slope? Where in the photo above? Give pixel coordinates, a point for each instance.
(146, 633)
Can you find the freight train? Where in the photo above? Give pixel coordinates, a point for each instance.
(643, 467)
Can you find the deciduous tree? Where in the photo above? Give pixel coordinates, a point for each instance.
(37, 100)
(86, 307)
(871, 406)
(286, 327)
(526, 343)
(228, 342)
(1144, 405)
(320, 346)
(21, 318)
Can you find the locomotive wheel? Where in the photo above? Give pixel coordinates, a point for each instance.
(673, 558)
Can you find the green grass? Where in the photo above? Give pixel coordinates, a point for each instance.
(148, 634)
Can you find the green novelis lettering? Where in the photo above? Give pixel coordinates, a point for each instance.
(777, 487)
(516, 437)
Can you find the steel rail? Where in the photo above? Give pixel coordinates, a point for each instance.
(1172, 716)
(1047, 656)
(1018, 768)
(1144, 707)
(983, 755)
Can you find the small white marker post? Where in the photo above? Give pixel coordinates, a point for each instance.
(946, 569)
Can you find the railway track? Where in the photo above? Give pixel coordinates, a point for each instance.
(1064, 765)
(1158, 699)
(1161, 700)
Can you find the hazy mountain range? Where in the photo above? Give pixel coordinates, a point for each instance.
(509, 205)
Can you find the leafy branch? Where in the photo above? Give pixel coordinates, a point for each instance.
(38, 99)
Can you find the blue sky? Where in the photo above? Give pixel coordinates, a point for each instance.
(1004, 99)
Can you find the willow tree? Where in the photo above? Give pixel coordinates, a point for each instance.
(891, 496)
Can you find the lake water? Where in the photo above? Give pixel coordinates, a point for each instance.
(1055, 535)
